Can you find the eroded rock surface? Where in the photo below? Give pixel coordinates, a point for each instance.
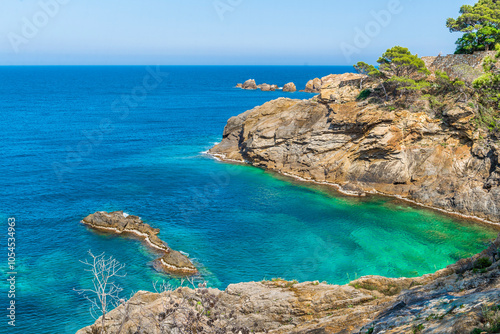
(119, 222)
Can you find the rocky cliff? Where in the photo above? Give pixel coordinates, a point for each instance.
(463, 297)
(438, 158)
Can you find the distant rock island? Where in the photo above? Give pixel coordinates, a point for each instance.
(119, 222)
(348, 136)
(313, 86)
(252, 85)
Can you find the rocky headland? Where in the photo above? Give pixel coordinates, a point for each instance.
(119, 222)
(433, 156)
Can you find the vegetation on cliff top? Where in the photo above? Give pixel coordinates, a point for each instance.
(480, 24)
(399, 69)
(403, 80)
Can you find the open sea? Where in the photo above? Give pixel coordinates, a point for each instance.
(75, 140)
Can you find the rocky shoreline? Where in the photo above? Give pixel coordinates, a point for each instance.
(119, 222)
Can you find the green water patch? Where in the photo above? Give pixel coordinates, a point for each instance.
(314, 232)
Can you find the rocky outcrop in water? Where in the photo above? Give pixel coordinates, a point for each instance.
(466, 67)
(336, 138)
(458, 299)
(119, 222)
(290, 87)
(436, 158)
(313, 86)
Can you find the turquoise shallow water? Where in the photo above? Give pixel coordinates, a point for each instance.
(239, 223)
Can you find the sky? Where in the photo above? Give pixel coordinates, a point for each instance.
(220, 32)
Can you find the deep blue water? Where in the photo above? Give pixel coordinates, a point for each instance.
(69, 148)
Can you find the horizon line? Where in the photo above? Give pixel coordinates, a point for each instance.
(83, 65)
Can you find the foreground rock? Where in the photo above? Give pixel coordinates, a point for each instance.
(442, 161)
(452, 300)
(120, 223)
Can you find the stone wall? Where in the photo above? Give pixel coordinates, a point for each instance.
(449, 63)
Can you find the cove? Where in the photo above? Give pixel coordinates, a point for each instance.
(238, 222)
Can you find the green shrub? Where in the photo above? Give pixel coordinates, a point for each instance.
(483, 263)
(364, 95)
(418, 328)
(491, 316)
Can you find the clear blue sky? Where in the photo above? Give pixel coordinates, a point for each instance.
(245, 32)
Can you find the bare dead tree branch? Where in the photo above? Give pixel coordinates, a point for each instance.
(105, 292)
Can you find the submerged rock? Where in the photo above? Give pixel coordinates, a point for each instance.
(119, 223)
